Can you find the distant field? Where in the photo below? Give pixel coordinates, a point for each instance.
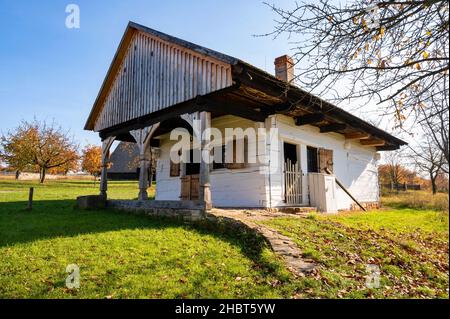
(129, 256)
(35, 177)
(415, 200)
(70, 188)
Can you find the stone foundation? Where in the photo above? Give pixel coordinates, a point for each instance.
(366, 205)
(185, 210)
(91, 202)
(293, 210)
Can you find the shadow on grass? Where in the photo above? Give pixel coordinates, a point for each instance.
(59, 218)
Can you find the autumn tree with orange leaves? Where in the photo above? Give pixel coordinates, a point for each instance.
(16, 148)
(92, 160)
(37, 144)
(71, 166)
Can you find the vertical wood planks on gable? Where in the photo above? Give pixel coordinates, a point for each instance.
(156, 74)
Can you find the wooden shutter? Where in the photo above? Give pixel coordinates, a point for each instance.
(185, 188)
(235, 165)
(194, 185)
(325, 160)
(190, 187)
(174, 169)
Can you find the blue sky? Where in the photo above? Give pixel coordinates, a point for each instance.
(53, 73)
(50, 72)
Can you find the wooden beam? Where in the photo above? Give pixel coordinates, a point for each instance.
(259, 80)
(213, 105)
(357, 136)
(388, 147)
(335, 127)
(372, 142)
(309, 119)
(152, 118)
(283, 107)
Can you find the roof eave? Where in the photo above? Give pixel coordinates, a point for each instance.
(131, 28)
(242, 66)
(126, 39)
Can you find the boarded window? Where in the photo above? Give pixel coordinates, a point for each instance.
(235, 164)
(174, 169)
(325, 160)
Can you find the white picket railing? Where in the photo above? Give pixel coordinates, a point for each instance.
(292, 183)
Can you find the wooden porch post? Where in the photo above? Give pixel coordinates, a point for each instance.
(143, 137)
(204, 183)
(143, 177)
(106, 145)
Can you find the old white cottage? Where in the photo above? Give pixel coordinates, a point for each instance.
(157, 83)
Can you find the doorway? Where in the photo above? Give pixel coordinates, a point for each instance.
(292, 175)
(191, 180)
(290, 153)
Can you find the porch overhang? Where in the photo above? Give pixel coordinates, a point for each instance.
(281, 97)
(252, 94)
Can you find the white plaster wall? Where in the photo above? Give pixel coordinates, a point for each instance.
(248, 187)
(167, 188)
(355, 168)
(229, 188)
(238, 187)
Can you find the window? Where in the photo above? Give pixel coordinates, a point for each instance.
(234, 164)
(193, 167)
(319, 160)
(174, 169)
(312, 160)
(290, 153)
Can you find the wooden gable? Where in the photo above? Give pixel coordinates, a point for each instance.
(154, 74)
(153, 71)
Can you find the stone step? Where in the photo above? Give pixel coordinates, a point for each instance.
(297, 210)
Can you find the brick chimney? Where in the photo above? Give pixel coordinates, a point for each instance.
(284, 68)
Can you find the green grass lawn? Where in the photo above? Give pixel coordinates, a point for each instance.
(129, 256)
(410, 247)
(122, 255)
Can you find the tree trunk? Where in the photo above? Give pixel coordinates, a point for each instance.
(17, 174)
(43, 171)
(433, 185)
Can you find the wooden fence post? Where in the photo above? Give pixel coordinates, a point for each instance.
(30, 199)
